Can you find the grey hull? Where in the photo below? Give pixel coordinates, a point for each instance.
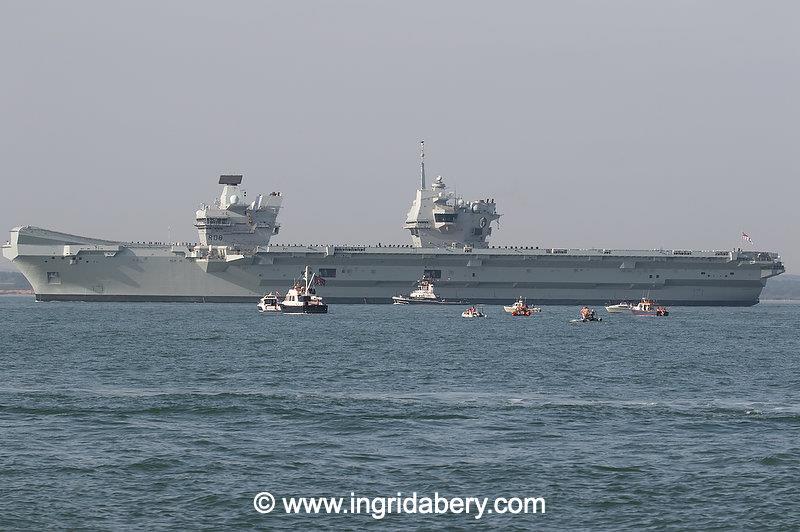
(62, 267)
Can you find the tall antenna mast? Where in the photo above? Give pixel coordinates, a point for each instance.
(422, 163)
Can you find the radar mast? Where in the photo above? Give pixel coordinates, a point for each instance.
(422, 164)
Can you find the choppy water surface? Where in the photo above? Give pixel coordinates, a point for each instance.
(176, 415)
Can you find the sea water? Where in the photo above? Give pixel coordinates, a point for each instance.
(174, 416)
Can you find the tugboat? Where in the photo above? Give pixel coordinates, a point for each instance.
(520, 306)
(624, 306)
(587, 315)
(424, 294)
(648, 307)
(473, 312)
(269, 303)
(302, 298)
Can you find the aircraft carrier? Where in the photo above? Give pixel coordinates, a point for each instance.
(234, 261)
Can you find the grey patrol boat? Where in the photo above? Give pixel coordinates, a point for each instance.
(235, 261)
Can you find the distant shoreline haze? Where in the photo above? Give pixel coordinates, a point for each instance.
(6, 265)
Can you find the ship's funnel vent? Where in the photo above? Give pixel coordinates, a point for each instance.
(230, 179)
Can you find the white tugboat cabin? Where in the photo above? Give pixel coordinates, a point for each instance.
(302, 298)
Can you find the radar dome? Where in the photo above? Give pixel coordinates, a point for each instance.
(234, 199)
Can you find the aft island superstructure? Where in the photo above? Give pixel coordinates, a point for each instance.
(235, 261)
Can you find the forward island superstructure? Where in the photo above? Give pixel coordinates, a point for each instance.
(235, 261)
(231, 221)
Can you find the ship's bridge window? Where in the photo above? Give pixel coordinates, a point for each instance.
(443, 217)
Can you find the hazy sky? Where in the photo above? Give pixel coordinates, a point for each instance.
(634, 123)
